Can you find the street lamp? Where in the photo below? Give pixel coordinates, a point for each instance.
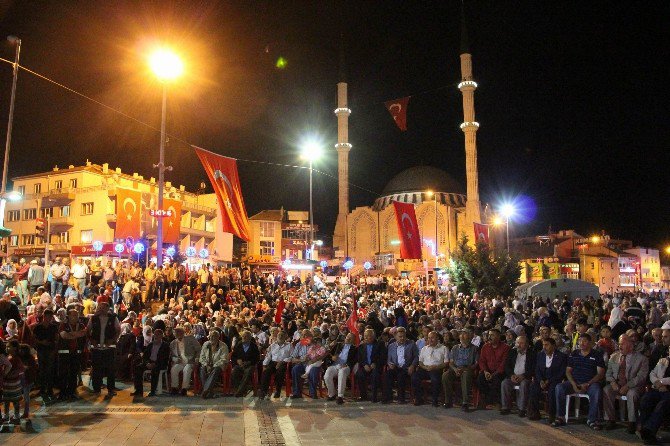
(3, 196)
(430, 193)
(507, 210)
(167, 66)
(311, 151)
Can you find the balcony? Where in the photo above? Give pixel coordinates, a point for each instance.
(196, 232)
(197, 208)
(111, 218)
(58, 247)
(59, 222)
(63, 195)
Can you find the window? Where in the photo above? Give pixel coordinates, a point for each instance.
(267, 248)
(593, 265)
(73, 183)
(37, 188)
(30, 214)
(64, 237)
(22, 190)
(87, 208)
(46, 212)
(58, 184)
(14, 240)
(28, 239)
(267, 229)
(65, 211)
(13, 215)
(603, 281)
(87, 236)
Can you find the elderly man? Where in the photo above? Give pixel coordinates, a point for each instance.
(58, 271)
(626, 376)
(519, 370)
(245, 357)
(655, 404)
(462, 364)
(549, 372)
(344, 356)
(370, 363)
(104, 329)
(80, 271)
(184, 351)
(155, 358)
(584, 373)
(213, 358)
(492, 365)
(275, 364)
(433, 359)
(402, 360)
(298, 359)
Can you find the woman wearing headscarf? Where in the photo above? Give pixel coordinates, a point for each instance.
(125, 351)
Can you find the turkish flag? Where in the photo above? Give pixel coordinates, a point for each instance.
(128, 213)
(280, 308)
(482, 233)
(398, 110)
(408, 229)
(352, 321)
(171, 225)
(222, 173)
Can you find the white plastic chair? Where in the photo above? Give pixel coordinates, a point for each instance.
(162, 379)
(577, 396)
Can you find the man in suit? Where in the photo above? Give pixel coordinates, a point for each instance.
(519, 370)
(184, 351)
(626, 376)
(402, 360)
(245, 357)
(550, 367)
(370, 364)
(155, 357)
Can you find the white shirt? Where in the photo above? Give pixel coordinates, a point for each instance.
(261, 339)
(520, 364)
(431, 356)
(401, 354)
(79, 271)
(548, 360)
(181, 350)
(277, 353)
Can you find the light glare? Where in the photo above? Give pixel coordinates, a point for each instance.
(166, 65)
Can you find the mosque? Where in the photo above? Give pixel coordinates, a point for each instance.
(443, 210)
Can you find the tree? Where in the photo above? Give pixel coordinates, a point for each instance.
(481, 270)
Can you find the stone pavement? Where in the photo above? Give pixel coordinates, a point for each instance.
(166, 420)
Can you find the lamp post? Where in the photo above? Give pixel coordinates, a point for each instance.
(507, 211)
(430, 193)
(3, 198)
(167, 66)
(311, 151)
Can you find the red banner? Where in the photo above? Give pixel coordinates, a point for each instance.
(398, 110)
(128, 217)
(171, 224)
(280, 308)
(482, 233)
(351, 323)
(408, 229)
(222, 173)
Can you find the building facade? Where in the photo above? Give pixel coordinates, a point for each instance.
(649, 267)
(78, 207)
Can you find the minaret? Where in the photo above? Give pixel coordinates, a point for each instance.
(469, 127)
(343, 147)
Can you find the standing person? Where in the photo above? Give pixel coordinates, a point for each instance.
(36, 276)
(45, 334)
(161, 283)
(80, 272)
(29, 375)
(57, 274)
(22, 282)
(172, 280)
(12, 390)
(245, 357)
(104, 329)
(150, 281)
(7, 273)
(203, 278)
(71, 345)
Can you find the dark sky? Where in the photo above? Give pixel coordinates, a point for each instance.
(573, 98)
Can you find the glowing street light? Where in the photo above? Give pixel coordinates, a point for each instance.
(667, 249)
(311, 151)
(167, 66)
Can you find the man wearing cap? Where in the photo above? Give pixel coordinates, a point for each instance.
(104, 330)
(184, 351)
(57, 273)
(45, 334)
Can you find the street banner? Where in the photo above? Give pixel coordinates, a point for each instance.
(398, 110)
(172, 223)
(128, 213)
(408, 230)
(222, 173)
(482, 233)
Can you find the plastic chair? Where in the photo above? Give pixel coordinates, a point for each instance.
(578, 397)
(162, 379)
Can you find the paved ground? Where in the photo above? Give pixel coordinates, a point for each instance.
(166, 420)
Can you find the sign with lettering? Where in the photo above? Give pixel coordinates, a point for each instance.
(160, 213)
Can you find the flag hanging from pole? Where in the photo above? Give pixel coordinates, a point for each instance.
(482, 233)
(408, 229)
(222, 173)
(171, 223)
(398, 110)
(352, 321)
(128, 213)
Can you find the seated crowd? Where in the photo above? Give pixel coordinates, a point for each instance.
(382, 341)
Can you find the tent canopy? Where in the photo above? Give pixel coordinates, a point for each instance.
(552, 288)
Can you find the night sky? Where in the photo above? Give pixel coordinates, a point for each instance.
(573, 98)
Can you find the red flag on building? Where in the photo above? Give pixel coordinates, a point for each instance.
(128, 216)
(280, 308)
(482, 233)
(408, 229)
(171, 224)
(222, 173)
(398, 110)
(352, 321)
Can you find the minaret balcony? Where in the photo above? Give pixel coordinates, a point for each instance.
(467, 85)
(469, 125)
(343, 146)
(341, 110)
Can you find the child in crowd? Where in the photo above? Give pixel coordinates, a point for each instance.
(29, 375)
(12, 389)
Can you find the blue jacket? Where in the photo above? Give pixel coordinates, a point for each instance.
(411, 354)
(556, 372)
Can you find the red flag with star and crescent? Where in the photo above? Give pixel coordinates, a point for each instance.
(222, 173)
(482, 233)
(171, 223)
(398, 110)
(128, 213)
(408, 229)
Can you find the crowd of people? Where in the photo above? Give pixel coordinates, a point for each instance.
(215, 330)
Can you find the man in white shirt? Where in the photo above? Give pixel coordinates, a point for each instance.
(274, 363)
(433, 359)
(184, 350)
(79, 272)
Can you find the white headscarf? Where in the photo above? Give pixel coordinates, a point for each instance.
(12, 332)
(615, 316)
(148, 339)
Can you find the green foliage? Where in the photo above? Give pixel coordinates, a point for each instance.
(481, 270)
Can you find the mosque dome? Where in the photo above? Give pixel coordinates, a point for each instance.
(411, 186)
